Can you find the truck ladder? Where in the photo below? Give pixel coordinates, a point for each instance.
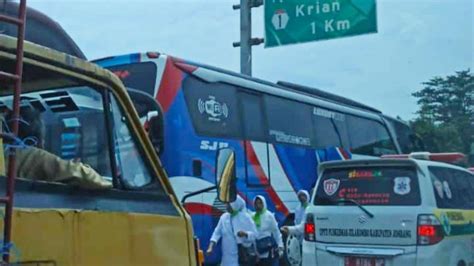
(16, 79)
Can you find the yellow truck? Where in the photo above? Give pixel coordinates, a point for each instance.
(89, 120)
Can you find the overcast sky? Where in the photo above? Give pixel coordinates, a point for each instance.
(416, 40)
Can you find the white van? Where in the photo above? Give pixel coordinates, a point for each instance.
(390, 212)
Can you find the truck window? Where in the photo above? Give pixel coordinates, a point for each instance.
(396, 186)
(74, 126)
(132, 169)
(452, 188)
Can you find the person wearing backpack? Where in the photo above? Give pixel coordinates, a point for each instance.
(268, 240)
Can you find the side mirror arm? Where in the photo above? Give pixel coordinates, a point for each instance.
(183, 200)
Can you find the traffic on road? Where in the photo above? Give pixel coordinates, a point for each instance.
(149, 158)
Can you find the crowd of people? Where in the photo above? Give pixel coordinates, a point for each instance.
(253, 238)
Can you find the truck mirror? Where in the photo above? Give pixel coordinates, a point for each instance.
(151, 116)
(225, 175)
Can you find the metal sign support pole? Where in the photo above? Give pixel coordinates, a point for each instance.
(246, 40)
(245, 35)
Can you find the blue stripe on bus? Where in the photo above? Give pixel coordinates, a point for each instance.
(118, 60)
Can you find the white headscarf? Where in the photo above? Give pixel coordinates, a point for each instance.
(301, 209)
(262, 198)
(304, 192)
(238, 204)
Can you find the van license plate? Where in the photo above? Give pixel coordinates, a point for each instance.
(360, 261)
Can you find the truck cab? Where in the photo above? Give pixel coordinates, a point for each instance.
(88, 119)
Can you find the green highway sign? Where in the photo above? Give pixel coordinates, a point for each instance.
(298, 21)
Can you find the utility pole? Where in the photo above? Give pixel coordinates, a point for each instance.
(246, 40)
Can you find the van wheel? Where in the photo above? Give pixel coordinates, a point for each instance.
(461, 263)
(288, 222)
(293, 251)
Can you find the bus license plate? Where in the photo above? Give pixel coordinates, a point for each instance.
(361, 261)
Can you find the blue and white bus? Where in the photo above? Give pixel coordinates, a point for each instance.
(280, 135)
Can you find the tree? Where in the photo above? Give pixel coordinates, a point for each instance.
(445, 119)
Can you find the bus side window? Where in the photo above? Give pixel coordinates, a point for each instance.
(132, 169)
(343, 131)
(329, 129)
(213, 108)
(254, 129)
(253, 121)
(289, 122)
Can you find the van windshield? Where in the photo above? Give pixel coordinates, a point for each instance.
(369, 186)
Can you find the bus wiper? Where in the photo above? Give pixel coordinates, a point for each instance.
(339, 137)
(358, 205)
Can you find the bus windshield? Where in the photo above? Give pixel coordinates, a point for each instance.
(140, 76)
(406, 138)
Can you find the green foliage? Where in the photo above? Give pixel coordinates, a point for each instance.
(445, 119)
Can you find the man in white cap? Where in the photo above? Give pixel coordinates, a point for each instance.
(234, 227)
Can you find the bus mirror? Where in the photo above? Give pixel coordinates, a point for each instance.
(151, 116)
(225, 175)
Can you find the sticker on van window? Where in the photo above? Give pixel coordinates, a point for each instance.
(439, 188)
(401, 185)
(447, 190)
(331, 186)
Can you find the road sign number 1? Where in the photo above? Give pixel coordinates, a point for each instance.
(280, 19)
